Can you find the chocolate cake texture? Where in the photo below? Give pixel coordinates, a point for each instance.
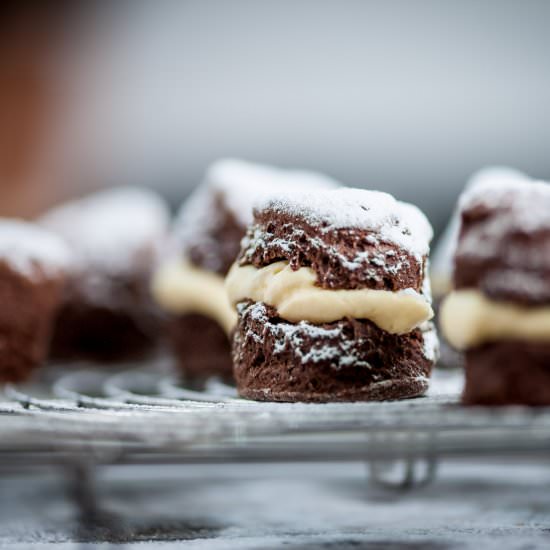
(351, 240)
(361, 246)
(202, 347)
(205, 241)
(33, 264)
(347, 360)
(504, 244)
(499, 311)
(508, 372)
(107, 312)
(442, 257)
(117, 323)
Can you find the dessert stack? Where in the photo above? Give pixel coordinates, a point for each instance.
(107, 313)
(499, 312)
(333, 300)
(33, 268)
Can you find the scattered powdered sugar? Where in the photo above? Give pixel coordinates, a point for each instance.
(522, 206)
(343, 353)
(426, 289)
(243, 183)
(108, 229)
(518, 281)
(430, 347)
(442, 259)
(362, 260)
(239, 184)
(31, 250)
(290, 336)
(393, 221)
(491, 186)
(526, 201)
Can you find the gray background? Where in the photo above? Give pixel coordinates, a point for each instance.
(407, 96)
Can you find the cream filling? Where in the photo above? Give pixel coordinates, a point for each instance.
(298, 298)
(181, 288)
(469, 319)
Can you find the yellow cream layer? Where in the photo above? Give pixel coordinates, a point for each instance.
(297, 298)
(469, 319)
(181, 288)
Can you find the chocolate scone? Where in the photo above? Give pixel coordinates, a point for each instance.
(33, 264)
(107, 312)
(499, 312)
(442, 258)
(206, 240)
(333, 299)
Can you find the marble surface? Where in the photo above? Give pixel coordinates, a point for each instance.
(293, 506)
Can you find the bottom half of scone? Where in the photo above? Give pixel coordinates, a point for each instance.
(26, 321)
(511, 372)
(199, 319)
(97, 332)
(106, 319)
(201, 346)
(346, 360)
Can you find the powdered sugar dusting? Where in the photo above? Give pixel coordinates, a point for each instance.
(393, 221)
(527, 202)
(344, 353)
(290, 335)
(239, 184)
(430, 348)
(442, 258)
(524, 207)
(243, 183)
(109, 229)
(492, 187)
(519, 282)
(392, 262)
(31, 250)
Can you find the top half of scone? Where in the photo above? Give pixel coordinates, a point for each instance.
(337, 253)
(115, 236)
(442, 256)
(350, 238)
(34, 264)
(504, 243)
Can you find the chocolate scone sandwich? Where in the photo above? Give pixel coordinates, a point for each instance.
(442, 257)
(499, 311)
(33, 267)
(333, 300)
(115, 235)
(189, 284)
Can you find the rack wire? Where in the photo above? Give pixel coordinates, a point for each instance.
(146, 415)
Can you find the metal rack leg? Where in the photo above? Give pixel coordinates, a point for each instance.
(82, 490)
(94, 522)
(404, 474)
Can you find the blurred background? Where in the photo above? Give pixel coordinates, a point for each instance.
(405, 96)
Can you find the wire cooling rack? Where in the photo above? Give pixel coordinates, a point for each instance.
(146, 415)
